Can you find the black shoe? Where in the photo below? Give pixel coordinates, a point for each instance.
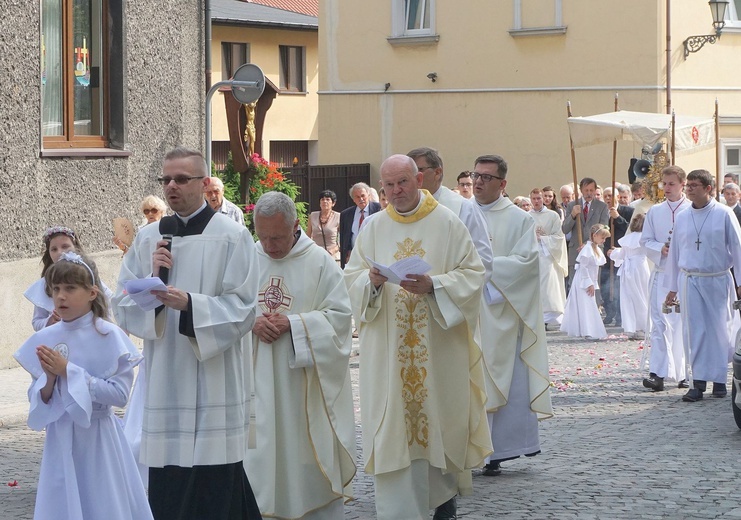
(692, 396)
(607, 321)
(654, 382)
(446, 511)
(719, 390)
(492, 470)
(683, 384)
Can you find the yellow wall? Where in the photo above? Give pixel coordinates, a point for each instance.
(498, 93)
(292, 117)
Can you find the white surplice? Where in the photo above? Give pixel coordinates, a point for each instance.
(421, 378)
(630, 259)
(197, 388)
(666, 356)
(513, 333)
(582, 317)
(473, 220)
(705, 245)
(304, 458)
(87, 468)
(554, 264)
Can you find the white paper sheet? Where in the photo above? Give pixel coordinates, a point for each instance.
(140, 290)
(400, 270)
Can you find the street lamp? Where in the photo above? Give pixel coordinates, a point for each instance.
(695, 43)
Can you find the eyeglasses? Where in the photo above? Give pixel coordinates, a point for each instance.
(465, 184)
(180, 180)
(485, 177)
(147, 211)
(421, 169)
(692, 186)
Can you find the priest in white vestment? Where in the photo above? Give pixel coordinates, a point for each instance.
(196, 346)
(422, 392)
(553, 259)
(706, 244)
(304, 457)
(514, 344)
(666, 355)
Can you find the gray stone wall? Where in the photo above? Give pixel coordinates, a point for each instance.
(165, 94)
(165, 99)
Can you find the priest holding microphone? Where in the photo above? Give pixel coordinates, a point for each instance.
(196, 346)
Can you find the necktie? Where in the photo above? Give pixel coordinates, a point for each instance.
(362, 217)
(586, 210)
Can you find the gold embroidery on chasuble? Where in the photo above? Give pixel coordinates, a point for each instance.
(274, 296)
(411, 321)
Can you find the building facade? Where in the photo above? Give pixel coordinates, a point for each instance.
(93, 94)
(284, 44)
(495, 77)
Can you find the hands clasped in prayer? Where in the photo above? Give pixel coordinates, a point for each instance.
(51, 361)
(271, 326)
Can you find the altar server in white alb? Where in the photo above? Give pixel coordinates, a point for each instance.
(421, 380)
(196, 346)
(706, 245)
(630, 259)
(82, 366)
(304, 458)
(553, 259)
(512, 328)
(666, 356)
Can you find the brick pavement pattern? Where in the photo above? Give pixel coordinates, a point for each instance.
(614, 450)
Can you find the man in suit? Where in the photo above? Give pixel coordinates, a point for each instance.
(620, 216)
(589, 211)
(352, 219)
(731, 194)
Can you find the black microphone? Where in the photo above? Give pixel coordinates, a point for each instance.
(168, 228)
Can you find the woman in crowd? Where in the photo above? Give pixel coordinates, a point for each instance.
(153, 208)
(324, 225)
(549, 201)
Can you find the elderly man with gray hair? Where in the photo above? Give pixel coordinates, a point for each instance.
(301, 350)
(214, 194)
(352, 219)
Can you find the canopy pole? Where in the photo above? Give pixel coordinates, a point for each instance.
(668, 56)
(614, 205)
(717, 154)
(674, 121)
(576, 182)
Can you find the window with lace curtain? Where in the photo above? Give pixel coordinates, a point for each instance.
(73, 74)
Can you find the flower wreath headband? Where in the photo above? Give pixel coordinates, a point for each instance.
(71, 256)
(56, 230)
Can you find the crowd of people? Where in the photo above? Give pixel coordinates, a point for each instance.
(243, 404)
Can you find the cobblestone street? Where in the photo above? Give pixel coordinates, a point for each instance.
(614, 450)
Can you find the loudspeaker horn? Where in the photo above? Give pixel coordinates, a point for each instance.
(640, 168)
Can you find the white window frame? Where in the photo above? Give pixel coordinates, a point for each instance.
(725, 145)
(400, 33)
(519, 30)
(733, 18)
